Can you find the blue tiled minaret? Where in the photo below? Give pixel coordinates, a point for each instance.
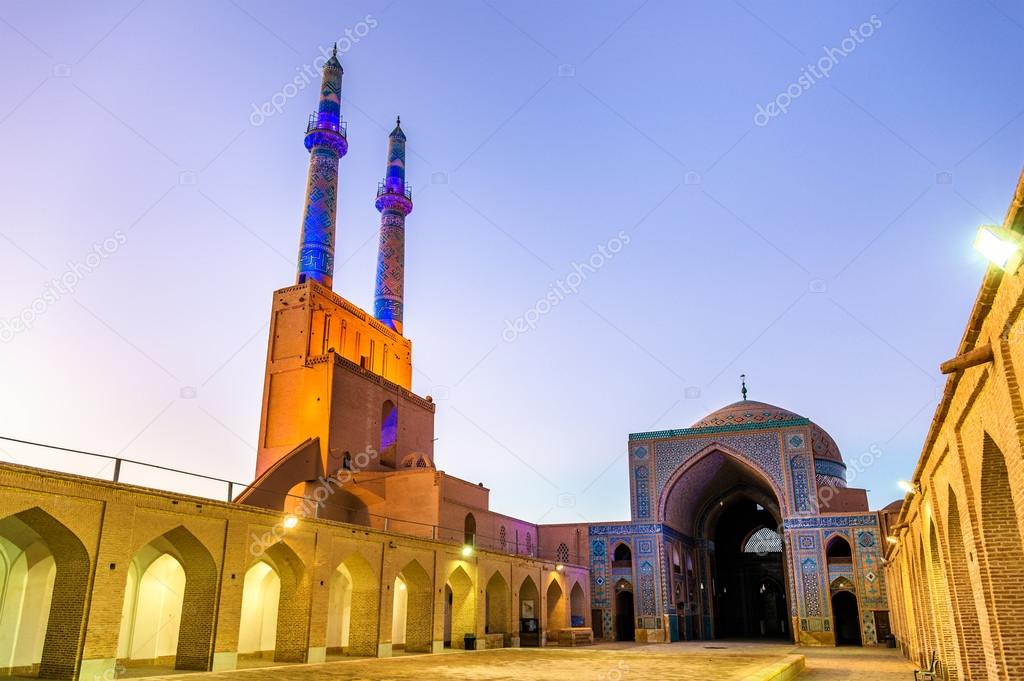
(394, 201)
(326, 141)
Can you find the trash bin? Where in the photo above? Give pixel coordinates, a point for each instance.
(890, 641)
(470, 641)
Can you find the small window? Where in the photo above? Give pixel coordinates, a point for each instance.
(765, 540)
(562, 553)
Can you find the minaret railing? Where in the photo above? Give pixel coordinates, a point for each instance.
(318, 122)
(385, 188)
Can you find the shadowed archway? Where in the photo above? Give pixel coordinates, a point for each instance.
(460, 608)
(46, 581)
(412, 609)
(353, 602)
(274, 596)
(738, 584)
(168, 576)
(497, 605)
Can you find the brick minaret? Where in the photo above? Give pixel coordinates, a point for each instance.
(394, 201)
(325, 139)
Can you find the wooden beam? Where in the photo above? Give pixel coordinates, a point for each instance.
(979, 355)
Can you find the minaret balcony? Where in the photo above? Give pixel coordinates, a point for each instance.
(384, 188)
(325, 131)
(316, 123)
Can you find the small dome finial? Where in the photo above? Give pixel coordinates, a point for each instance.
(334, 53)
(398, 121)
(743, 386)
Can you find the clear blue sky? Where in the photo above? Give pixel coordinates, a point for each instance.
(826, 253)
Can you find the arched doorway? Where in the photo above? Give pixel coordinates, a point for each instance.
(411, 611)
(622, 557)
(749, 570)
(352, 608)
(577, 606)
(625, 612)
(170, 575)
(460, 610)
(151, 614)
(45, 572)
(846, 618)
(469, 530)
(556, 611)
(734, 579)
(271, 603)
(261, 594)
(497, 605)
(969, 631)
(1000, 532)
(529, 622)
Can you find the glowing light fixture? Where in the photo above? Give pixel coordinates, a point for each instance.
(401, 586)
(559, 567)
(908, 487)
(467, 551)
(290, 521)
(892, 540)
(1003, 248)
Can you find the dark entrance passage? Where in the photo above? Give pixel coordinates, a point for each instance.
(625, 616)
(846, 619)
(750, 598)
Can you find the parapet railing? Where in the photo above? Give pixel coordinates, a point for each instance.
(167, 479)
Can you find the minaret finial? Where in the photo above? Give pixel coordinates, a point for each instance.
(743, 384)
(334, 52)
(398, 121)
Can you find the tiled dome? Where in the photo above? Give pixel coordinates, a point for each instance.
(750, 411)
(746, 411)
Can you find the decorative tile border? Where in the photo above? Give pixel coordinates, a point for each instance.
(712, 430)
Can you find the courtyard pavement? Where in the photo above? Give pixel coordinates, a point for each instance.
(694, 661)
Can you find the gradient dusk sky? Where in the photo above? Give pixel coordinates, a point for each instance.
(825, 251)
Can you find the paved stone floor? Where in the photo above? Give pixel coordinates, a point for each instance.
(698, 661)
(855, 664)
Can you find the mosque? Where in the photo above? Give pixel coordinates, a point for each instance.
(350, 540)
(741, 525)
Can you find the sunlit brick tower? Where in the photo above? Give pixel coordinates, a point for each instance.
(337, 396)
(394, 201)
(327, 143)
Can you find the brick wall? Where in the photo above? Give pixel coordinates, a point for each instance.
(954, 570)
(95, 528)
